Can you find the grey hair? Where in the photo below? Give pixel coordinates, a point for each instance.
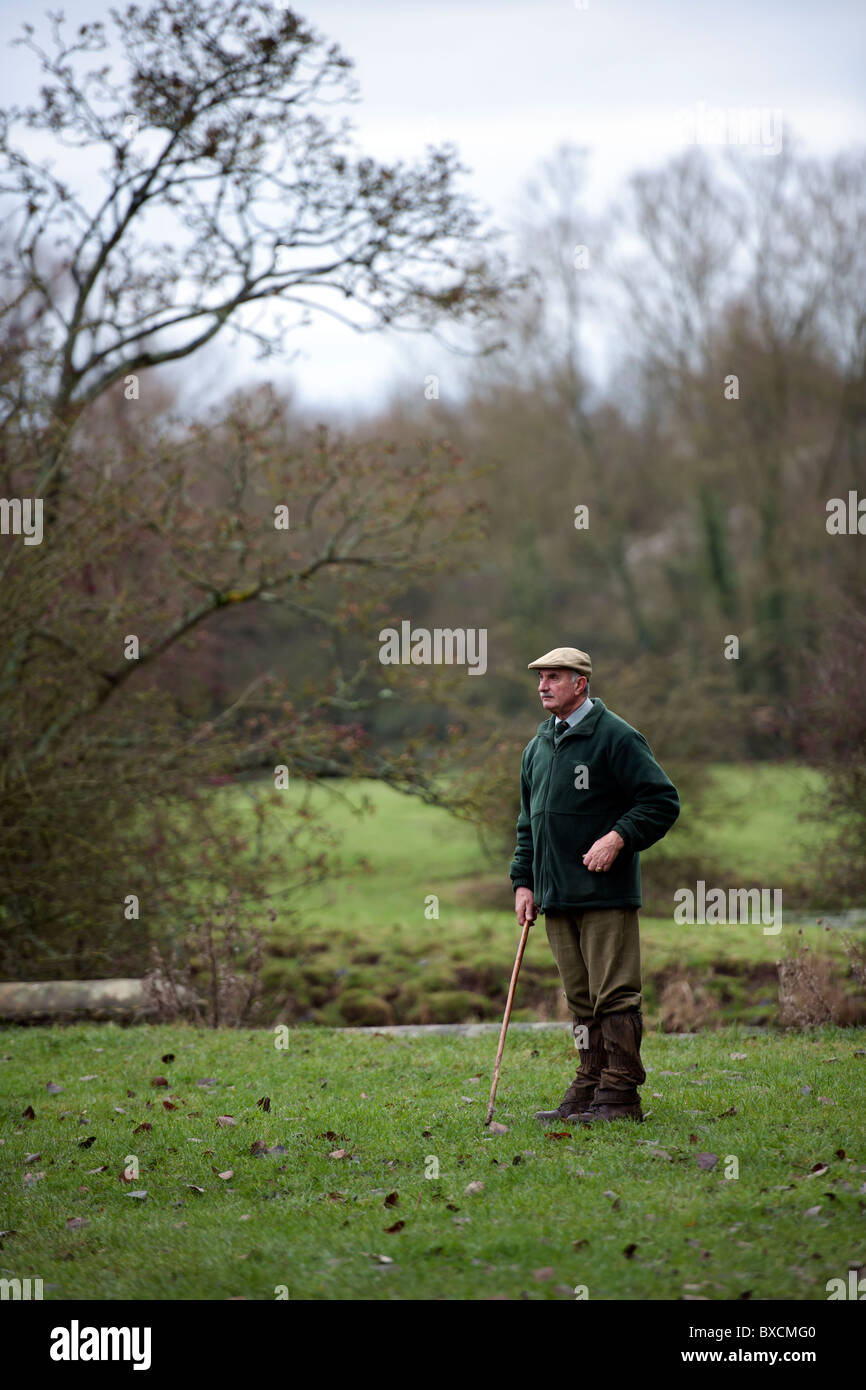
(576, 675)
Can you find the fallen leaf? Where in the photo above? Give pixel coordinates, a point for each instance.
(206, 1081)
(560, 1134)
(629, 1251)
(225, 1121)
(496, 1128)
(29, 1113)
(548, 1272)
(661, 1153)
(91, 1077)
(258, 1147)
(33, 1177)
(229, 1173)
(336, 1196)
(382, 1259)
(732, 1110)
(264, 1104)
(193, 1188)
(167, 1105)
(470, 1100)
(707, 1161)
(391, 1200)
(392, 1230)
(52, 1088)
(811, 1211)
(840, 1153)
(805, 1090)
(158, 1081)
(473, 1188)
(693, 1138)
(167, 1057)
(73, 1222)
(103, 1168)
(144, 1128)
(739, 1056)
(277, 1149)
(119, 1110)
(818, 1170)
(32, 1158)
(139, 1195)
(86, 1143)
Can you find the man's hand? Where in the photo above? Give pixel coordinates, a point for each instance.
(524, 906)
(600, 856)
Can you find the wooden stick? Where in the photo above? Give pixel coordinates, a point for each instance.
(511, 988)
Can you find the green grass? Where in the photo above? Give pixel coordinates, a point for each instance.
(364, 949)
(624, 1210)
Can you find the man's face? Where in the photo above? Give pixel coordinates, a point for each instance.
(560, 693)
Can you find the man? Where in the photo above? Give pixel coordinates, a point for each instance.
(592, 797)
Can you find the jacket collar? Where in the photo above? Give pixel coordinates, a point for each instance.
(585, 726)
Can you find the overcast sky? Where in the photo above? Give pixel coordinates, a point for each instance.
(510, 80)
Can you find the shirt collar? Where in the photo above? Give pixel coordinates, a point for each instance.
(576, 714)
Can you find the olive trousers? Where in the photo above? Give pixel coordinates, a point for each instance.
(597, 955)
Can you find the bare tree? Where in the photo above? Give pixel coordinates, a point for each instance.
(219, 125)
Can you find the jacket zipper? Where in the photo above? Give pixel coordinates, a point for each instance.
(544, 826)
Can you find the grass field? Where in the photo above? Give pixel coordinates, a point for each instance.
(364, 948)
(342, 1206)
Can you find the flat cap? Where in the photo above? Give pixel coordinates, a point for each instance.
(571, 657)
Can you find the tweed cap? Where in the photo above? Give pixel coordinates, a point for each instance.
(571, 657)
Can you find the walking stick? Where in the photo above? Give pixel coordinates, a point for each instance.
(510, 1000)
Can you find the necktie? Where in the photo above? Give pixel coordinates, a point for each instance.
(561, 727)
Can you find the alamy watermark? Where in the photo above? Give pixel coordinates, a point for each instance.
(752, 127)
(443, 646)
(713, 905)
(22, 516)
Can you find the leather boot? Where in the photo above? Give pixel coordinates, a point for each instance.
(616, 1097)
(582, 1089)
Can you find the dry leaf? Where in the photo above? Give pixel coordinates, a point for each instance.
(229, 1173)
(168, 1057)
(547, 1273)
(339, 1153)
(52, 1088)
(144, 1128)
(225, 1121)
(140, 1195)
(392, 1230)
(472, 1189)
(29, 1113)
(73, 1222)
(158, 1081)
(167, 1105)
(496, 1128)
(707, 1161)
(264, 1104)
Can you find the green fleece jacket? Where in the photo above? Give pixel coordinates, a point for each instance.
(601, 776)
